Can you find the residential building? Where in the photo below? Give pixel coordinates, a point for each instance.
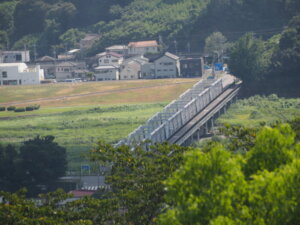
(69, 69)
(164, 66)
(106, 73)
(108, 66)
(69, 55)
(119, 49)
(88, 41)
(14, 56)
(131, 68)
(47, 63)
(109, 59)
(20, 74)
(142, 47)
(191, 67)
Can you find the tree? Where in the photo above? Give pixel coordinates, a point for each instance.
(71, 38)
(215, 44)
(42, 161)
(247, 58)
(287, 57)
(137, 179)
(213, 187)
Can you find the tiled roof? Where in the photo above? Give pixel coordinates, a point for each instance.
(141, 44)
(105, 67)
(109, 53)
(45, 59)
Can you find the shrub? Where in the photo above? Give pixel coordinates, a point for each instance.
(20, 109)
(29, 108)
(11, 108)
(2, 108)
(36, 107)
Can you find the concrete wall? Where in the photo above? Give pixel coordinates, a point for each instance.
(20, 74)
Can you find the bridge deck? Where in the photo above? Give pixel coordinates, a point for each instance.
(201, 118)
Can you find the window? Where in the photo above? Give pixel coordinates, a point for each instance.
(168, 63)
(4, 74)
(18, 57)
(66, 70)
(106, 61)
(114, 60)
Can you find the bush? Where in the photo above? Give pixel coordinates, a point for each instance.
(36, 107)
(11, 108)
(20, 109)
(2, 108)
(29, 108)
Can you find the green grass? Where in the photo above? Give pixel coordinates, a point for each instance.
(76, 128)
(255, 110)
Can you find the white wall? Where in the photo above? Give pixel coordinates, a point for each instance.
(130, 71)
(109, 60)
(142, 50)
(106, 74)
(166, 67)
(20, 74)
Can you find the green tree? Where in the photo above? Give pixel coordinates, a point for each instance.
(42, 161)
(247, 58)
(287, 57)
(215, 44)
(137, 179)
(71, 38)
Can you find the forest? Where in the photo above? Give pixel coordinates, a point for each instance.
(46, 25)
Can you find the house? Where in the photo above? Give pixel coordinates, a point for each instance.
(142, 47)
(163, 66)
(14, 56)
(107, 73)
(47, 63)
(69, 55)
(191, 67)
(69, 69)
(20, 74)
(131, 68)
(88, 41)
(109, 59)
(119, 49)
(108, 66)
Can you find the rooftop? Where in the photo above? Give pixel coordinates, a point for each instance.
(109, 53)
(117, 47)
(105, 67)
(141, 44)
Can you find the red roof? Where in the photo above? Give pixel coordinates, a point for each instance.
(141, 44)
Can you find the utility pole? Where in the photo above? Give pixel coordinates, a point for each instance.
(175, 45)
(34, 51)
(189, 47)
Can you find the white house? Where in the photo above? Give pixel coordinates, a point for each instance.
(20, 74)
(14, 56)
(106, 73)
(142, 47)
(109, 59)
(108, 66)
(164, 66)
(131, 68)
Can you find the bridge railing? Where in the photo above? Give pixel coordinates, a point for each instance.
(164, 124)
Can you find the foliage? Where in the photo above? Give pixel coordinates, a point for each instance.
(2, 108)
(137, 178)
(257, 110)
(215, 44)
(71, 38)
(20, 109)
(214, 187)
(287, 56)
(247, 59)
(38, 163)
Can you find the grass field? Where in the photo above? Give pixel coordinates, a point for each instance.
(256, 110)
(79, 121)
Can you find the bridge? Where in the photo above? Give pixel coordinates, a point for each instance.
(190, 117)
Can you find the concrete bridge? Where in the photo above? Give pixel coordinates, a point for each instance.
(190, 117)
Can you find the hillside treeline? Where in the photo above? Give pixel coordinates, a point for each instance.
(49, 25)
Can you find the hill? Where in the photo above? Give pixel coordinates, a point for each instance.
(49, 25)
